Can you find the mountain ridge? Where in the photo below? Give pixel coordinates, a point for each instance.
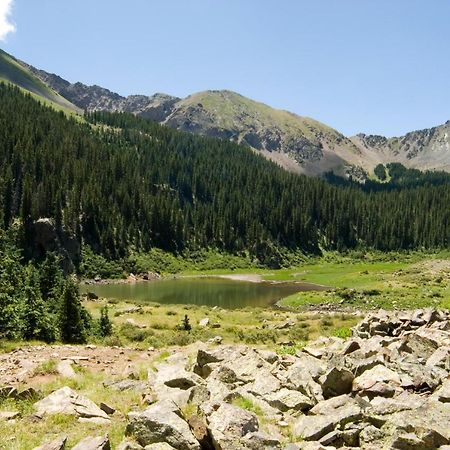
(297, 143)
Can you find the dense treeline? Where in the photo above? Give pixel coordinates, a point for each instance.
(37, 302)
(119, 182)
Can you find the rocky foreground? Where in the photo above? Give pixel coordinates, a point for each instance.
(387, 387)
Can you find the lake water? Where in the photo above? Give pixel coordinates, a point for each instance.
(208, 291)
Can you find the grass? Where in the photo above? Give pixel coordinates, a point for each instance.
(11, 71)
(247, 404)
(48, 367)
(17, 436)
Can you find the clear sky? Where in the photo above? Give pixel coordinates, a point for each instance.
(374, 66)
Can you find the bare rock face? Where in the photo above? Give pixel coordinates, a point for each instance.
(47, 238)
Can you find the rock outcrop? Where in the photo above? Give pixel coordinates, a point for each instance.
(386, 387)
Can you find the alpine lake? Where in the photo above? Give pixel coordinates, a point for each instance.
(208, 291)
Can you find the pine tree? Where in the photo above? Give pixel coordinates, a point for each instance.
(104, 323)
(38, 321)
(51, 277)
(72, 315)
(185, 324)
(11, 286)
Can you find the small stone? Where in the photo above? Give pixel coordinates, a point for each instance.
(65, 369)
(57, 444)
(8, 415)
(107, 409)
(94, 443)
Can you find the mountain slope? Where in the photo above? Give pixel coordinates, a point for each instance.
(13, 71)
(299, 144)
(424, 149)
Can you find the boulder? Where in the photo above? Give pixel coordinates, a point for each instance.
(94, 443)
(336, 381)
(67, 401)
(228, 424)
(312, 428)
(130, 445)
(57, 444)
(378, 374)
(161, 423)
(443, 393)
(200, 431)
(177, 377)
(264, 383)
(203, 322)
(259, 440)
(287, 399)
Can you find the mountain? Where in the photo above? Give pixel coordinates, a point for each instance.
(134, 185)
(15, 72)
(425, 149)
(299, 144)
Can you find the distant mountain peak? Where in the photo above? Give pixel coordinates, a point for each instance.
(298, 143)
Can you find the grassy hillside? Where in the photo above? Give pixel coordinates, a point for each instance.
(11, 71)
(295, 142)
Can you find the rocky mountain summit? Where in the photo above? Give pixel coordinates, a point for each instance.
(387, 387)
(297, 143)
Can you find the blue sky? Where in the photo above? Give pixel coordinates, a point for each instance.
(374, 66)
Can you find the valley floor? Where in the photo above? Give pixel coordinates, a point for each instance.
(146, 335)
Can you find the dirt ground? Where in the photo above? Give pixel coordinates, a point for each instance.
(19, 366)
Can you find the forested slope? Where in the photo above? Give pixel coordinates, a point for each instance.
(118, 182)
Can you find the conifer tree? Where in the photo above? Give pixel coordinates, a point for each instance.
(38, 320)
(104, 323)
(72, 315)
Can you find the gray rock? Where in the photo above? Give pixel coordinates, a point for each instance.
(65, 369)
(259, 440)
(177, 377)
(128, 385)
(8, 415)
(312, 428)
(94, 443)
(443, 393)
(160, 423)
(228, 424)
(107, 409)
(129, 445)
(159, 446)
(286, 399)
(57, 444)
(67, 401)
(337, 381)
(378, 374)
(265, 383)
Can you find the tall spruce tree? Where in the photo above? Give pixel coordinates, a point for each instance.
(39, 321)
(72, 315)
(11, 286)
